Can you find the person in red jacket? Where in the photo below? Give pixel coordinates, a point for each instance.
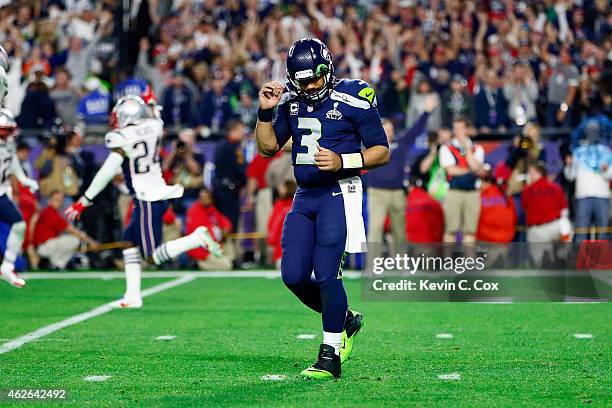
(53, 237)
(424, 215)
(282, 206)
(204, 213)
(497, 221)
(546, 211)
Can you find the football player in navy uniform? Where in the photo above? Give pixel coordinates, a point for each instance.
(328, 120)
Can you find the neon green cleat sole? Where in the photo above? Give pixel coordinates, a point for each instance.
(327, 365)
(354, 327)
(316, 374)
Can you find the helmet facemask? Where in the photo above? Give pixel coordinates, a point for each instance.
(8, 126)
(316, 96)
(6, 132)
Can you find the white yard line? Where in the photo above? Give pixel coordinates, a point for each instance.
(2, 340)
(450, 377)
(97, 378)
(491, 300)
(273, 377)
(166, 337)
(100, 310)
(274, 274)
(164, 274)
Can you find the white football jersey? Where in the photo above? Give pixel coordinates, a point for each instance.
(7, 155)
(141, 167)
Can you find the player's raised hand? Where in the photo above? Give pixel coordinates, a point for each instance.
(326, 160)
(431, 101)
(270, 94)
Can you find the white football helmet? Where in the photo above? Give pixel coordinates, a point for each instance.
(7, 124)
(129, 110)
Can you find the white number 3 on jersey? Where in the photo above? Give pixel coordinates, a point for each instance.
(309, 140)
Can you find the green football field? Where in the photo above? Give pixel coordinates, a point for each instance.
(242, 341)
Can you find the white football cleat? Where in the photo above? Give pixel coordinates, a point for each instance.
(9, 275)
(130, 303)
(208, 242)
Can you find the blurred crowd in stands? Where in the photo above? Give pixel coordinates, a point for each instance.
(447, 73)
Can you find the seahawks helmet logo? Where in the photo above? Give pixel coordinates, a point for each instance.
(325, 53)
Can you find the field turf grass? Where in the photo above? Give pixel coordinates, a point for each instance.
(230, 332)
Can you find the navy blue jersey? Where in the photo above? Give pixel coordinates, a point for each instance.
(343, 123)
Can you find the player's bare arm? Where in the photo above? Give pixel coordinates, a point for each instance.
(375, 156)
(269, 96)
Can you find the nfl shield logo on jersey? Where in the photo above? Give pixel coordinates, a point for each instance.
(334, 114)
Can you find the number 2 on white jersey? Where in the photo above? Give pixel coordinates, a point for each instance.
(309, 140)
(5, 168)
(141, 161)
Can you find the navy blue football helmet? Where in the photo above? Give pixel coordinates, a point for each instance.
(309, 59)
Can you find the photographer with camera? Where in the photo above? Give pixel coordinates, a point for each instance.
(184, 165)
(525, 148)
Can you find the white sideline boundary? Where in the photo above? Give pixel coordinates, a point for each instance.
(270, 274)
(275, 274)
(98, 311)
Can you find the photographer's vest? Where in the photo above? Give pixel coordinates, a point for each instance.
(466, 182)
(62, 178)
